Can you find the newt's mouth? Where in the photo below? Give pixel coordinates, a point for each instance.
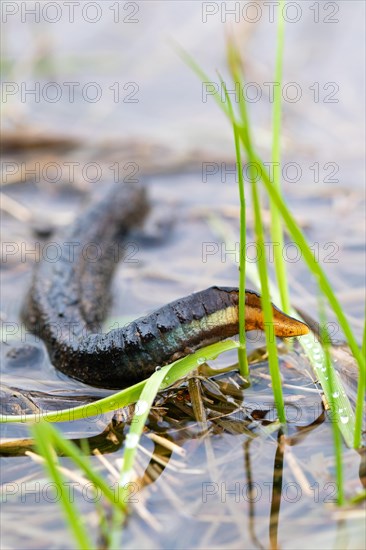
(284, 326)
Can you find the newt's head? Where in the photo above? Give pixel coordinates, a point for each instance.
(284, 325)
(220, 310)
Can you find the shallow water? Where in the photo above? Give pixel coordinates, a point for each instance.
(210, 486)
(202, 497)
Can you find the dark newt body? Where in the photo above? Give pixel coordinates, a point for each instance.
(68, 300)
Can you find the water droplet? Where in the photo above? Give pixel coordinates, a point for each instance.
(141, 407)
(336, 394)
(157, 368)
(340, 410)
(125, 478)
(131, 441)
(201, 360)
(230, 399)
(344, 419)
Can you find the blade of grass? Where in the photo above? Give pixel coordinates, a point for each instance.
(358, 498)
(205, 79)
(276, 222)
(335, 418)
(43, 437)
(242, 350)
(142, 411)
(274, 369)
(129, 395)
(138, 421)
(267, 309)
(82, 461)
(361, 390)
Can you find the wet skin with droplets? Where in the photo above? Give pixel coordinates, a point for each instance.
(69, 298)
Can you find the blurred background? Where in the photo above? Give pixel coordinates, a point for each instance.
(144, 91)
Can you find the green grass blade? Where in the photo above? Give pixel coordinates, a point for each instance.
(242, 350)
(332, 392)
(129, 395)
(142, 411)
(71, 450)
(340, 406)
(276, 221)
(273, 363)
(107, 404)
(235, 65)
(361, 390)
(191, 63)
(42, 434)
(358, 498)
